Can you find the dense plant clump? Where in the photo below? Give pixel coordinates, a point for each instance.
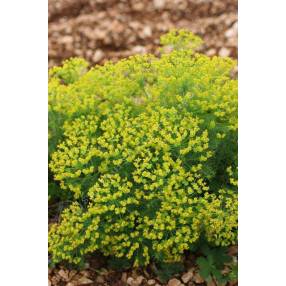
(146, 149)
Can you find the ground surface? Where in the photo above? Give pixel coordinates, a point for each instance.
(98, 273)
(100, 30)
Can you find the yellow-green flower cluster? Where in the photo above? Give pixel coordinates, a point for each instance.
(70, 72)
(181, 39)
(193, 82)
(219, 213)
(147, 149)
(143, 177)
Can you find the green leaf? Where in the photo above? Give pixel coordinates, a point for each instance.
(218, 256)
(213, 263)
(165, 271)
(205, 268)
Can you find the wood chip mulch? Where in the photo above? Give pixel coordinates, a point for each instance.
(101, 30)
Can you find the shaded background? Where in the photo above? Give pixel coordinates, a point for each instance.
(100, 30)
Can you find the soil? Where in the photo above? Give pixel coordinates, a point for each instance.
(97, 273)
(101, 30)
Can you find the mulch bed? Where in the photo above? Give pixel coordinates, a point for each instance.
(97, 272)
(101, 30)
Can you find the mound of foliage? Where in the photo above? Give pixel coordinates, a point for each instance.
(146, 152)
